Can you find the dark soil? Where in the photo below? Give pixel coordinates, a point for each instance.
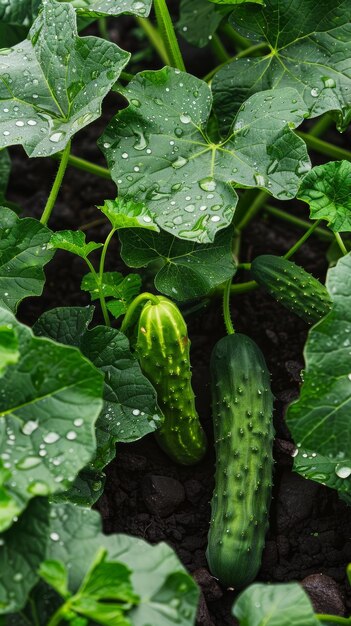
(146, 494)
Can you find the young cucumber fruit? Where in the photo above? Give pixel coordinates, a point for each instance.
(242, 405)
(163, 349)
(291, 285)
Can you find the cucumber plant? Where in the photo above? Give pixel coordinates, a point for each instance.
(197, 154)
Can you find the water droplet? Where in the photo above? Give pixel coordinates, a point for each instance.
(28, 462)
(29, 427)
(343, 471)
(180, 162)
(208, 184)
(54, 536)
(125, 155)
(329, 83)
(51, 437)
(56, 137)
(315, 92)
(136, 412)
(185, 119)
(71, 435)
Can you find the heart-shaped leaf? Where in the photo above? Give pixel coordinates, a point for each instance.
(309, 50)
(327, 189)
(188, 270)
(128, 214)
(49, 403)
(158, 151)
(23, 253)
(73, 241)
(58, 81)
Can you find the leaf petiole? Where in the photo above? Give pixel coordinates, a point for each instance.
(341, 243)
(168, 35)
(226, 308)
(56, 186)
(143, 297)
(302, 240)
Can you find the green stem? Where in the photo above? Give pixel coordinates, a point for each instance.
(126, 76)
(244, 266)
(297, 221)
(103, 30)
(341, 243)
(155, 39)
(219, 50)
(86, 166)
(255, 206)
(244, 53)
(104, 251)
(302, 240)
(226, 308)
(101, 295)
(243, 287)
(57, 617)
(334, 619)
(56, 186)
(324, 147)
(165, 26)
(321, 126)
(143, 297)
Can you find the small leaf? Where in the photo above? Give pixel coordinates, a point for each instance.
(307, 50)
(327, 190)
(274, 605)
(190, 270)
(199, 20)
(20, 557)
(55, 89)
(159, 152)
(49, 403)
(55, 574)
(73, 241)
(319, 420)
(8, 347)
(23, 254)
(128, 214)
(114, 285)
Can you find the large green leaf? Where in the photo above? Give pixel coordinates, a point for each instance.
(320, 419)
(23, 254)
(8, 347)
(188, 270)
(327, 189)
(274, 605)
(52, 84)
(199, 20)
(49, 403)
(310, 45)
(168, 594)
(159, 152)
(22, 548)
(130, 408)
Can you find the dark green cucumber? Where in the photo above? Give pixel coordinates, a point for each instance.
(163, 349)
(242, 405)
(291, 285)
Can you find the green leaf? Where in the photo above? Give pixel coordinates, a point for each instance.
(18, 12)
(87, 488)
(159, 151)
(50, 401)
(23, 254)
(321, 469)
(8, 347)
(327, 190)
(319, 419)
(20, 556)
(73, 241)
(96, 8)
(190, 270)
(130, 408)
(274, 605)
(55, 89)
(114, 285)
(168, 595)
(199, 20)
(55, 574)
(128, 214)
(309, 48)
(5, 169)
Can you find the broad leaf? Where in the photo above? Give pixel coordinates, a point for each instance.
(199, 20)
(322, 470)
(274, 605)
(114, 285)
(55, 89)
(128, 214)
(8, 347)
(22, 548)
(23, 254)
(310, 45)
(159, 151)
(5, 168)
(320, 419)
(130, 409)
(189, 270)
(49, 403)
(168, 595)
(327, 189)
(73, 241)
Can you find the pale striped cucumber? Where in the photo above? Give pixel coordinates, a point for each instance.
(242, 405)
(292, 286)
(163, 349)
